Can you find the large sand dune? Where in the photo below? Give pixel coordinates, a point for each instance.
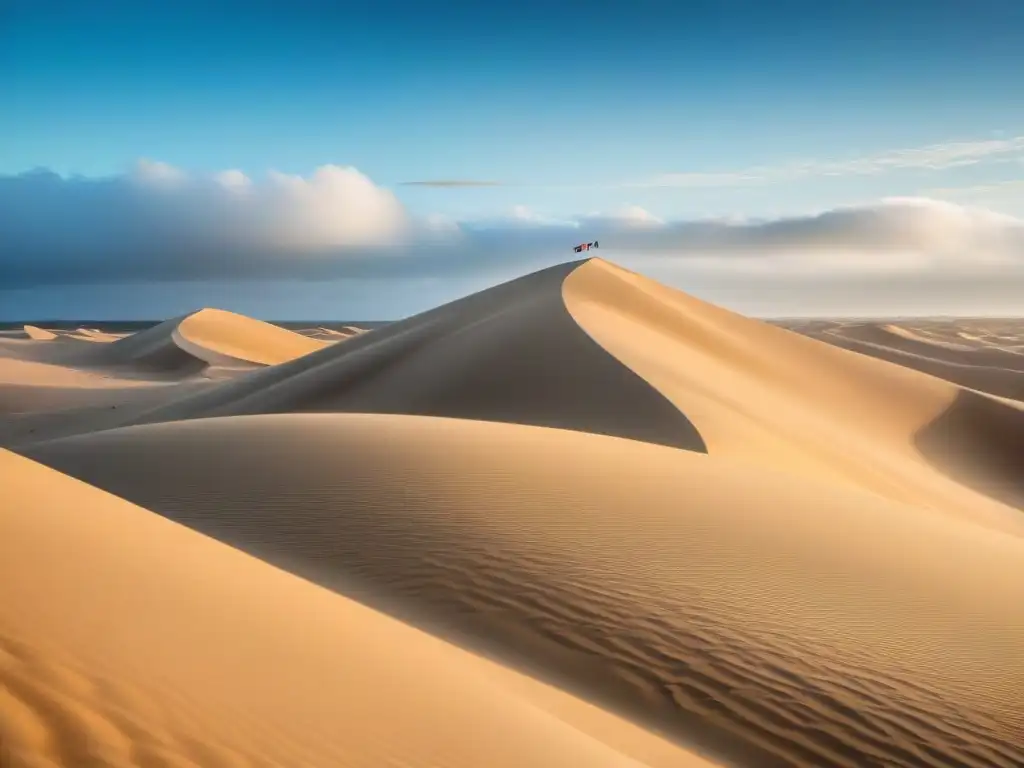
(592, 347)
(513, 353)
(784, 624)
(127, 640)
(761, 545)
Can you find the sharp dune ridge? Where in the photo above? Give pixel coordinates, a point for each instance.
(679, 536)
(185, 344)
(39, 334)
(513, 353)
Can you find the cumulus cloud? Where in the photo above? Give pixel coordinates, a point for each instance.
(159, 224)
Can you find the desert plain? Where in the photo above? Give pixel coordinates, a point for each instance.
(577, 519)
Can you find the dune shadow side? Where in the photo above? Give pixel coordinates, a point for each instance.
(511, 354)
(979, 442)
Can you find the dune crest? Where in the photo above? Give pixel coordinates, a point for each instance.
(770, 396)
(225, 338)
(775, 623)
(39, 334)
(592, 347)
(511, 353)
(128, 640)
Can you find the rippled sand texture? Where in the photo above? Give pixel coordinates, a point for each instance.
(822, 625)
(770, 550)
(128, 640)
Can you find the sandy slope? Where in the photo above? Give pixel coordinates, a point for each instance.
(84, 380)
(39, 334)
(779, 622)
(128, 640)
(827, 574)
(209, 337)
(45, 391)
(511, 353)
(765, 394)
(220, 337)
(592, 347)
(979, 363)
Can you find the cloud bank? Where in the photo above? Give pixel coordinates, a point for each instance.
(160, 224)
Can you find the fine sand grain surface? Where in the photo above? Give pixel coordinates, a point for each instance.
(128, 640)
(697, 538)
(663, 582)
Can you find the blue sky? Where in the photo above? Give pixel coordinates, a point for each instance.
(727, 108)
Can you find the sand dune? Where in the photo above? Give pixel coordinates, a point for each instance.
(774, 622)
(939, 348)
(92, 334)
(512, 353)
(766, 546)
(83, 380)
(39, 334)
(589, 346)
(330, 334)
(223, 338)
(128, 640)
(209, 337)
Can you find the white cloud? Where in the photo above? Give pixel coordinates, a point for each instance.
(629, 217)
(157, 174)
(233, 179)
(159, 225)
(158, 222)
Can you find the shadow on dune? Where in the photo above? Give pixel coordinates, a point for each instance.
(151, 351)
(511, 354)
(979, 442)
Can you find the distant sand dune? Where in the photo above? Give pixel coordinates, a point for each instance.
(781, 623)
(39, 334)
(223, 338)
(592, 347)
(128, 640)
(512, 353)
(84, 380)
(29, 386)
(997, 369)
(186, 344)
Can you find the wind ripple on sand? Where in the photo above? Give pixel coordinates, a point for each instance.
(127, 640)
(774, 624)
